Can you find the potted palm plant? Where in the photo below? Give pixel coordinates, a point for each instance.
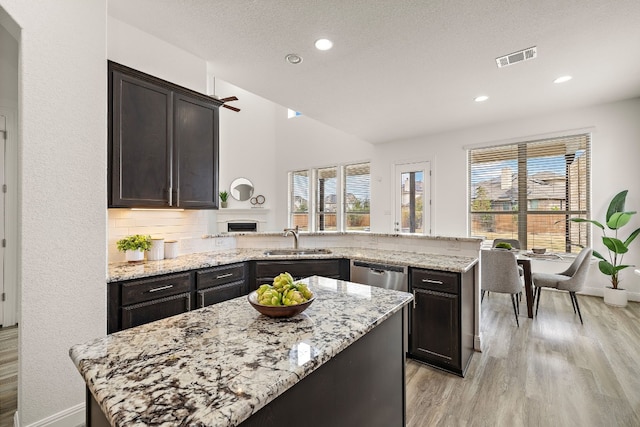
(223, 199)
(616, 218)
(134, 247)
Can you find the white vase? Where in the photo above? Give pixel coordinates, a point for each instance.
(134, 255)
(615, 297)
(157, 249)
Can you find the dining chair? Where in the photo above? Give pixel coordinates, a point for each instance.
(499, 273)
(571, 280)
(515, 243)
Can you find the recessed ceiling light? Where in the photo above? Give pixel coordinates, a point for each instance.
(324, 44)
(562, 79)
(481, 98)
(293, 58)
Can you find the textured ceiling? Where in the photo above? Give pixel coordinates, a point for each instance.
(401, 69)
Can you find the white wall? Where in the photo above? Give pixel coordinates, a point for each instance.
(615, 148)
(62, 165)
(303, 143)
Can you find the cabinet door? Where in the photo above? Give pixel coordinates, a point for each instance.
(196, 152)
(140, 135)
(150, 311)
(220, 293)
(435, 327)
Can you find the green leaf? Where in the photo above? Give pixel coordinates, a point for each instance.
(621, 267)
(617, 204)
(597, 255)
(619, 219)
(631, 237)
(592, 221)
(615, 245)
(606, 268)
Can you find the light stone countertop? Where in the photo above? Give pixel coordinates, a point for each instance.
(220, 364)
(124, 271)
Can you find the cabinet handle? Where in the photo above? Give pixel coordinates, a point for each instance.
(223, 276)
(177, 197)
(170, 196)
(414, 298)
(161, 288)
(435, 282)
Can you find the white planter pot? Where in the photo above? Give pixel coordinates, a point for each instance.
(134, 256)
(615, 297)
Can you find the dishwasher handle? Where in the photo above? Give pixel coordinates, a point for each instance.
(379, 268)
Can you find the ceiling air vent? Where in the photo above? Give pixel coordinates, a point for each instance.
(515, 57)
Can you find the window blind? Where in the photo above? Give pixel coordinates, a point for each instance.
(299, 199)
(529, 191)
(357, 197)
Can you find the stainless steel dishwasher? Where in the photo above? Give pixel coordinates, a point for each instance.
(380, 275)
(384, 276)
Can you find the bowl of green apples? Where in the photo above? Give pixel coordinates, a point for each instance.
(283, 298)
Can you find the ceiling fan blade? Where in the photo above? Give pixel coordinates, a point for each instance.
(231, 108)
(229, 98)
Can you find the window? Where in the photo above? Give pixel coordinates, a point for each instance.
(299, 199)
(326, 199)
(529, 191)
(357, 195)
(331, 198)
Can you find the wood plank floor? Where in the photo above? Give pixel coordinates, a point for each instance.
(551, 371)
(8, 374)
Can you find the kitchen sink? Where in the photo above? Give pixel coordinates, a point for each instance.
(297, 251)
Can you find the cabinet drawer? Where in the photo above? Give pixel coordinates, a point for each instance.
(440, 281)
(220, 293)
(150, 311)
(298, 269)
(148, 289)
(219, 275)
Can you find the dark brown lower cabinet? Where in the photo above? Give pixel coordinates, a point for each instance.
(219, 284)
(266, 271)
(441, 332)
(136, 302)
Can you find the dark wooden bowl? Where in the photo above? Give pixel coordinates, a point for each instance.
(278, 310)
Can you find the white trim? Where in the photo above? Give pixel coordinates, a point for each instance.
(74, 416)
(537, 137)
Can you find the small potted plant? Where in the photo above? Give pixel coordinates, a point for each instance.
(616, 218)
(223, 199)
(134, 246)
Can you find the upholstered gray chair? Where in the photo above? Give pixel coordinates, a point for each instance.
(571, 280)
(499, 273)
(515, 243)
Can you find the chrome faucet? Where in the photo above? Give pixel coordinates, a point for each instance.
(294, 232)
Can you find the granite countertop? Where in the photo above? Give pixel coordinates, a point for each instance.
(218, 365)
(124, 271)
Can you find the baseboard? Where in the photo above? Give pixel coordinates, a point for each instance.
(73, 416)
(477, 344)
(599, 292)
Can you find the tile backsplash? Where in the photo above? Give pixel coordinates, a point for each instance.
(187, 227)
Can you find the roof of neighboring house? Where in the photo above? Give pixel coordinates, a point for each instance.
(540, 186)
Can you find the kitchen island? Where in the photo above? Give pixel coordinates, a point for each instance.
(341, 362)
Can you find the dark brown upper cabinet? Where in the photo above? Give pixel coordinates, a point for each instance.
(163, 143)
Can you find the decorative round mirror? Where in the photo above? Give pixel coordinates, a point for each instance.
(241, 189)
